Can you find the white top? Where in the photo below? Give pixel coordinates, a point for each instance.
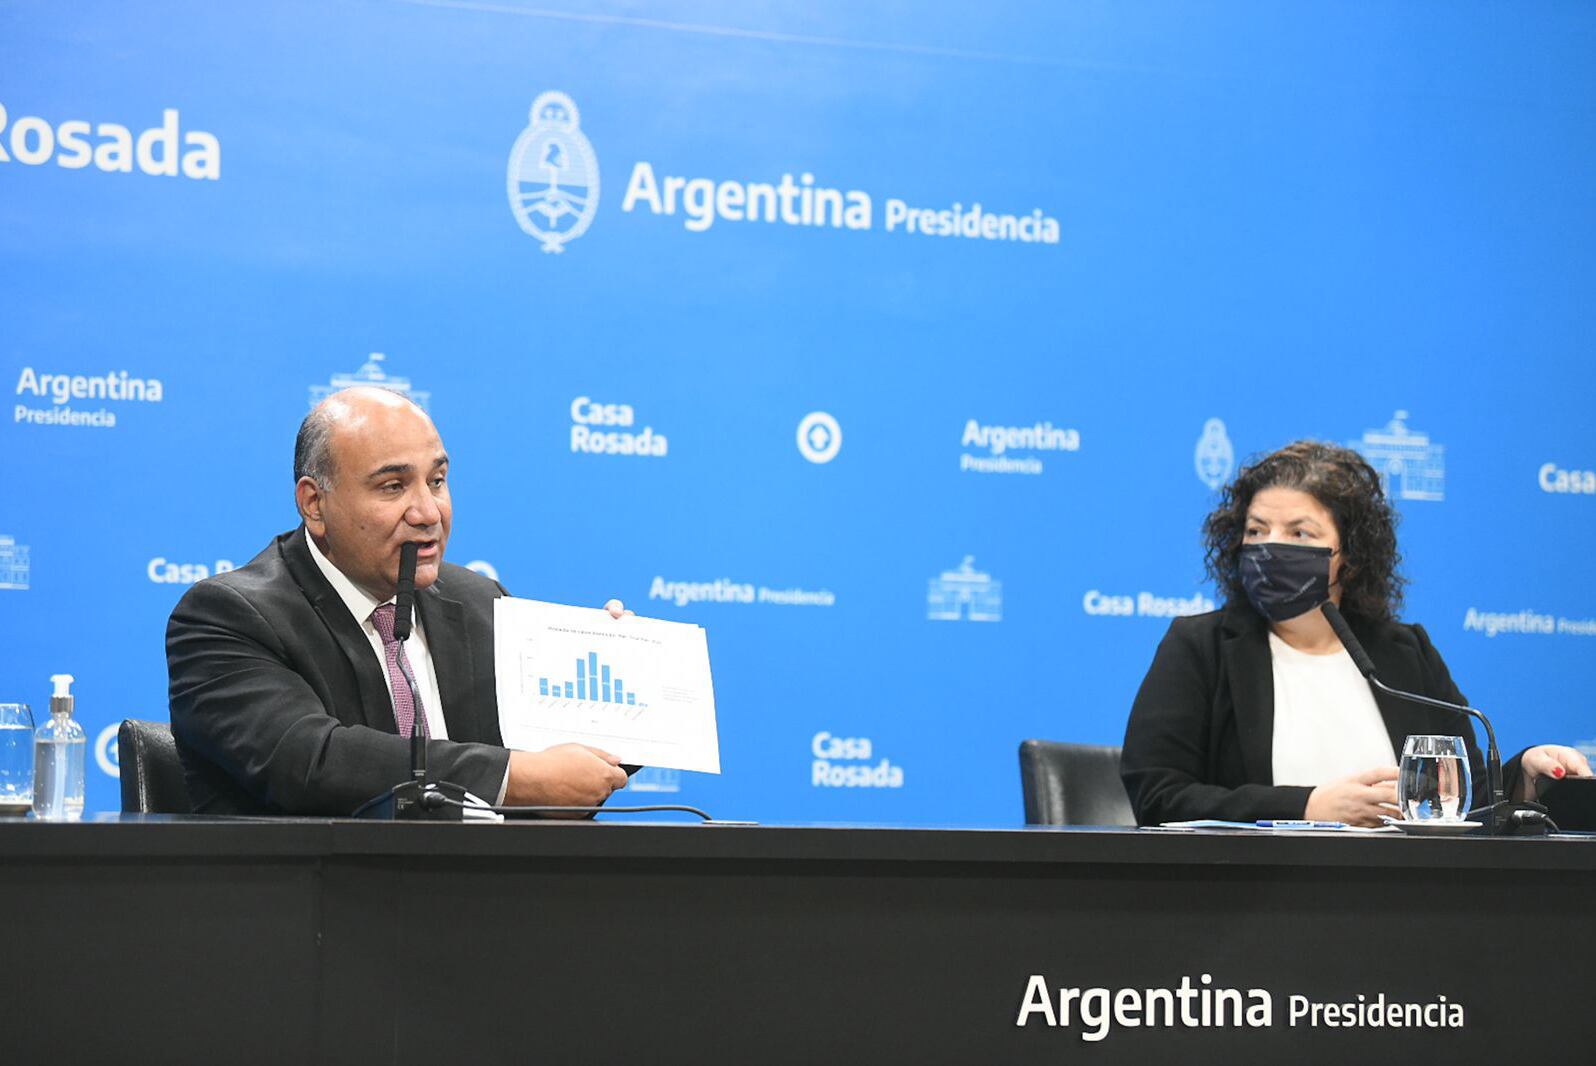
(361, 604)
(1327, 725)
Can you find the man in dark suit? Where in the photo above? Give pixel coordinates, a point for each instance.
(283, 673)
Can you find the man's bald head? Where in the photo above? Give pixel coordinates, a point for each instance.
(315, 454)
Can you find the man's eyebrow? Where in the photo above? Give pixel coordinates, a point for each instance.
(391, 468)
(404, 468)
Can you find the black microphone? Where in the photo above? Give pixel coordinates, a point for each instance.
(1338, 622)
(403, 606)
(1504, 816)
(413, 799)
(405, 602)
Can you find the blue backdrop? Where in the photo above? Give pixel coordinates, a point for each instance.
(930, 493)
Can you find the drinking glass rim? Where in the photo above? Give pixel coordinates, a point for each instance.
(1444, 737)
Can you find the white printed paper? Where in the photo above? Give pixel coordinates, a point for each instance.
(639, 688)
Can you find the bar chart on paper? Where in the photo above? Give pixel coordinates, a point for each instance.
(569, 684)
(592, 681)
(638, 688)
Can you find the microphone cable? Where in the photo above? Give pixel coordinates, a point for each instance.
(441, 800)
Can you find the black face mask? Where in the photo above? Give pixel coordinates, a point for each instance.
(1285, 580)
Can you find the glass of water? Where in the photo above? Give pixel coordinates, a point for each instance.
(1434, 785)
(16, 758)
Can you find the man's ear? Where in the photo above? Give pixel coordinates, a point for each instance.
(309, 498)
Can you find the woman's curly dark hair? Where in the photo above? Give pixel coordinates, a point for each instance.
(1350, 489)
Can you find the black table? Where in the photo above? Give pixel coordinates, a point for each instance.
(194, 940)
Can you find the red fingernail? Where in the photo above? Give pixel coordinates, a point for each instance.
(1558, 771)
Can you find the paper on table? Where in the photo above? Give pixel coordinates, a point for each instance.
(640, 688)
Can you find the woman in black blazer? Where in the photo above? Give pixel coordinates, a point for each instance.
(1308, 523)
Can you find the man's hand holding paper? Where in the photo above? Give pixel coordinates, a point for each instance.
(566, 775)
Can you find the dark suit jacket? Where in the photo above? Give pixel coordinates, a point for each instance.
(279, 705)
(1200, 739)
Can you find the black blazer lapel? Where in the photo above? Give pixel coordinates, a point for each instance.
(1245, 645)
(376, 707)
(453, 663)
(1397, 666)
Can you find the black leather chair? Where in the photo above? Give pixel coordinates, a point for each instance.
(1073, 784)
(152, 773)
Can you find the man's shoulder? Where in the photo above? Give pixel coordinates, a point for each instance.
(460, 583)
(264, 579)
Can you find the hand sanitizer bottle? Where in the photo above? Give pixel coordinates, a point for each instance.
(58, 749)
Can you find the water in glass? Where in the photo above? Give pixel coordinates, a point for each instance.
(16, 758)
(1434, 784)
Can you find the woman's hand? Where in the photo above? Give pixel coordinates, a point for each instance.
(1357, 800)
(1549, 760)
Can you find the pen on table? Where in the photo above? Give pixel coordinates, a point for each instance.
(1297, 823)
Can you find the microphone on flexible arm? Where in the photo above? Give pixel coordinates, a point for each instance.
(404, 605)
(415, 799)
(1501, 817)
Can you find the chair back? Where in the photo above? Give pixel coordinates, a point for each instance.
(1073, 784)
(152, 772)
